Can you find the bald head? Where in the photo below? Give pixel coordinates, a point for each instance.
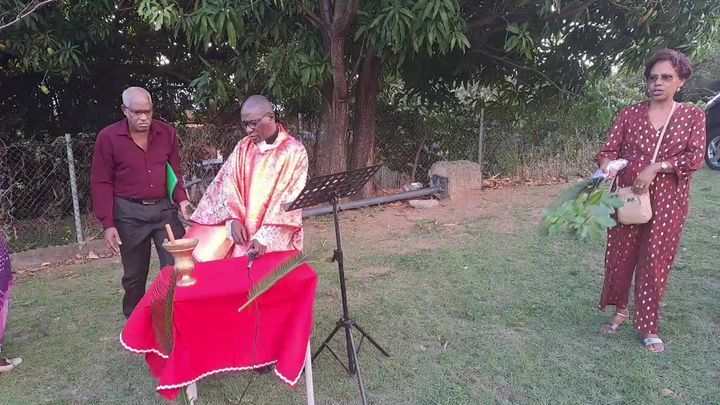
(132, 94)
(256, 105)
(258, 118)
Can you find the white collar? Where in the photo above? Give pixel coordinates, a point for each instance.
(264, 146)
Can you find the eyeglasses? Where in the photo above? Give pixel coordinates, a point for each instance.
(138, 112)
(253, 123)
(666, 78)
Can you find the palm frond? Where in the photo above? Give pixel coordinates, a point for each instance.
(273, 278)
(283, 270)
(161, 310)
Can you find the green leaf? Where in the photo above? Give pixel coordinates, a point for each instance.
(511, 43)
(428, 9)
(205, 61)
(232, 37)
(444, 18)
(407, 13)
(305, 76)
(527, 52)
(599, 211)
(438, 3)
(607, 222)
(221, 21)
(361, 30)
(203, 26)
(595, 197)
(514, 28)
(614, 202)
(450, 5)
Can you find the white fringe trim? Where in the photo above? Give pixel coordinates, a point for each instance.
(288, 382)
(225, 370)
(142, 351)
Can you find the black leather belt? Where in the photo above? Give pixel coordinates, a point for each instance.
(146, 201)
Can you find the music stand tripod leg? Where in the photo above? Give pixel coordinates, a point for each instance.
(356, 368)
(368, 337)
(327, 340)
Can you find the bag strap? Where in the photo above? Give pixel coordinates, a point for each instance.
(662, 133)
(657, 147)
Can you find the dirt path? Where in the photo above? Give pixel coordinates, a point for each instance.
(382, 227)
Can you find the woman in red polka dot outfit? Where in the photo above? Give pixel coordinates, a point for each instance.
(648, 251)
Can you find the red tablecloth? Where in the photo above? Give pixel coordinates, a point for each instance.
(211, 336)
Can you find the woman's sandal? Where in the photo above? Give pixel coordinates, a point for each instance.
(611, 327)
(648, 342)
(7, 365)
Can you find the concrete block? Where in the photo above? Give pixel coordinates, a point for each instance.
(463, 176)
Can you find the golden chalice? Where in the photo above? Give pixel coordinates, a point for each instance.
(182, 250)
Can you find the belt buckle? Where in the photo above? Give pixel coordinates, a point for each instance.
(148, 202)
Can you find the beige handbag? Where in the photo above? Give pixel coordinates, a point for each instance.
(636, 208)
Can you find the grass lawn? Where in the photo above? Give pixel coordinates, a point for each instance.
(475, 306)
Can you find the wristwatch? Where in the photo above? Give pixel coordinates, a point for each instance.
(665, 165)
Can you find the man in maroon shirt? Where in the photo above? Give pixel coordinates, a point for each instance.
(129, 191)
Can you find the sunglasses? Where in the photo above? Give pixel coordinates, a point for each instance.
(666, 78)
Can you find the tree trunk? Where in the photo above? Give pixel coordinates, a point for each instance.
(332, 146)
(332, 156)
(332, 149)
(365, 130)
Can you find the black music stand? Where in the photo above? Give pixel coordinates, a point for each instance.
(332, 188)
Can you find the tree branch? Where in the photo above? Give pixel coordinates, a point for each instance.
(349, 14)
(312, 18)
(626, 8)
(326, 12)
(29, 9)
(343, 15)
(487, 21)
(569, 11)
(337, 12)
(165, 70)
(527, 68)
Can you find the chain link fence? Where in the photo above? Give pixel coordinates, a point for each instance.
(39, 206)
(408, 144)
(36, 197)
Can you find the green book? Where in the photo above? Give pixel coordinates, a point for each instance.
(171, 180)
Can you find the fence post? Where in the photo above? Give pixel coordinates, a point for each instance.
(73, 188)
(481, 135)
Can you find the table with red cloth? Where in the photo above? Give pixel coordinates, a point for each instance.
(210, 335)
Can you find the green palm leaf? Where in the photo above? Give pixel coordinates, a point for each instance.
(161, 310)
(273, 278)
